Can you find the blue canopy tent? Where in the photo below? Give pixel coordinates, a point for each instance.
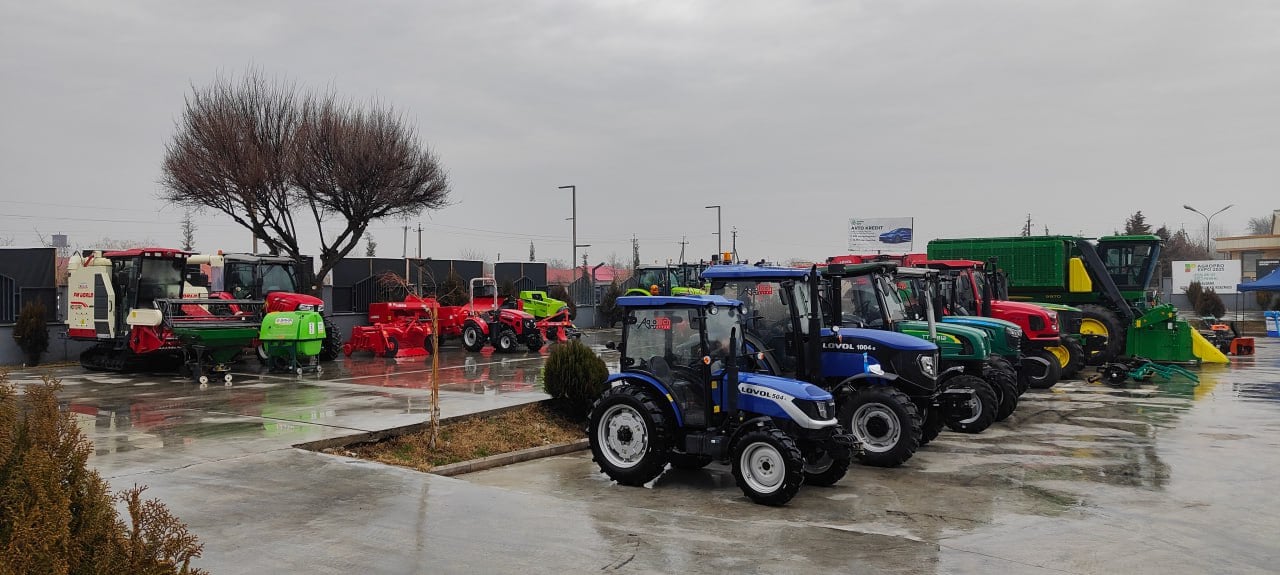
(1271, 282)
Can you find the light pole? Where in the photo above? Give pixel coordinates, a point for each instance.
(1207, 220)
(719, 238)
(573, 263)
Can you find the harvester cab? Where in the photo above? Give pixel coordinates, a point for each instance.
(681, 398)
(883, 382)
(490, 321)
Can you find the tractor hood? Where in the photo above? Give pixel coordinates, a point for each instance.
(881, 338)
(955, 341)
(1005, 337)
(1038, 322)
(759, 382)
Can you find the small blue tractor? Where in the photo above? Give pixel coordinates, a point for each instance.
(680, 398)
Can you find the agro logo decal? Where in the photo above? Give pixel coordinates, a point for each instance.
(284, 321)
(662, 323)
(839, 346)
(761, 392)
(765, 289)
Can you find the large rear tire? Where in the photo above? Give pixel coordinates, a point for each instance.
(627, 431)
(981, 412)
(768, 466)
(885, 422)
(1099, 321)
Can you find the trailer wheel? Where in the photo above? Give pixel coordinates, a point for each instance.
(980, 412)
(393, 347)
(472, 337)
(1099, 322)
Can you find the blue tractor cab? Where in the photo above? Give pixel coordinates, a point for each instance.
(681, 398)
(884, 382)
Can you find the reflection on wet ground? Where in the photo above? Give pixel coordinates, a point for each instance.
(1160, 478)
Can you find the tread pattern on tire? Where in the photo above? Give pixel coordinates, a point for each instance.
(912, 428)
(1077, 361)
(795, 470)
(985, 394)
(934, 421)
(648, 406)
(1006, 389)
(1115, 333)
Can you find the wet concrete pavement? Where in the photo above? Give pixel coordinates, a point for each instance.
(1170, 478)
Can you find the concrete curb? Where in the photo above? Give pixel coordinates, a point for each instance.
(500, 460)
(385, 434)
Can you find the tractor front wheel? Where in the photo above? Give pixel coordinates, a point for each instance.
(885, 422)
(1040, 370)
(824, 470)
(472, 337)
(628, 435)
(981, 410)
(768, 466)
(332, 345)
(934, 421)
(505, 342)
(1006, 388)
(534, 342)
(1076, 358)
(1096, 323)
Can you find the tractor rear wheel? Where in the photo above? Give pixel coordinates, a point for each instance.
(768, 466)
(981, 412)
(628, 435)
(1006, 389)
(886, 423)
(1099, 322)
(332, 345)
(472, 337)
(1040, 370)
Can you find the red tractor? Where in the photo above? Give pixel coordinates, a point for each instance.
(503, 325)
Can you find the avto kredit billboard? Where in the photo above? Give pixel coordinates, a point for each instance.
(873, 235)
(1220, 275)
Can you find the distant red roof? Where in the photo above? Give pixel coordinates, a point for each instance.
(605, 275)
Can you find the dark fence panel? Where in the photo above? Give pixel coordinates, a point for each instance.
(534, 272)
(27, 274)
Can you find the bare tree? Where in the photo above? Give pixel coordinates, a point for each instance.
(262, 152)
(557, 264)
(471, 254)
(188, 232)
(1260, 226)
(6, 241)
(370, 246)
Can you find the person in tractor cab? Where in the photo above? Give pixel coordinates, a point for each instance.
(654, 289)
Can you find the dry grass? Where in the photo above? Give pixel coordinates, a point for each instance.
(523, 428)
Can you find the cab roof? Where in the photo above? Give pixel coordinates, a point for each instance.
(950, 264)
(860, 269)
(148, 252)
(676, 301)
(739, 271)
(257, 258)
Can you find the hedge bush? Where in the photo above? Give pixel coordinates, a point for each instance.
(59, 516)
(609, 309)
(1206, 302)
(575, 375)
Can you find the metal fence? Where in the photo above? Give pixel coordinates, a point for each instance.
(12, 298)
(9, 304)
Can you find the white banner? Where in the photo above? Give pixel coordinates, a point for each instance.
(874, 235)
(1221, 275)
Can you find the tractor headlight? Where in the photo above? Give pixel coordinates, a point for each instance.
(928, 366)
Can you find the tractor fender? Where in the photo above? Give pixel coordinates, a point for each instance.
(757, 422)
(950, 372)
(649, 381)
(483, 326)
(863, 380)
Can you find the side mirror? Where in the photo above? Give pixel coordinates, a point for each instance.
(611, 345)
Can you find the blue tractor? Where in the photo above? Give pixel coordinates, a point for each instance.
(681, 398)
(885, 383)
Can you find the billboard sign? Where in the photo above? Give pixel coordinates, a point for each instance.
(874, 235)
(1265, 267)
(1220, 275)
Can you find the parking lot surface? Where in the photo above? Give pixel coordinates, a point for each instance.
(1167, 478)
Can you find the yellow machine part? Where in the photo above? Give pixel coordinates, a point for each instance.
(1205, 350)
(1077, 278)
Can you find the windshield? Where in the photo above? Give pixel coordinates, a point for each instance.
(277, 277)
(661, 339)
(159, 279)
(860, 305)
(1127, 264)
(965, 302)
(239, 280)
(911, 292)
(719, 327)
(766, 314)
(893, 300)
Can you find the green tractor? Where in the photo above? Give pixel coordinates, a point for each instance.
(668, 280)
(1106, 279)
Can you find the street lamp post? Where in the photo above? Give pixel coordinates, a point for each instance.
(1207, 220)
(719, 237)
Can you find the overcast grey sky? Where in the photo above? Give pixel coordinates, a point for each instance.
(795, 116)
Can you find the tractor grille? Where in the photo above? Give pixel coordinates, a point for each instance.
(1069, 321)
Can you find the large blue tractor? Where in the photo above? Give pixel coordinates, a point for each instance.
(891, 411)
(680, 398)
